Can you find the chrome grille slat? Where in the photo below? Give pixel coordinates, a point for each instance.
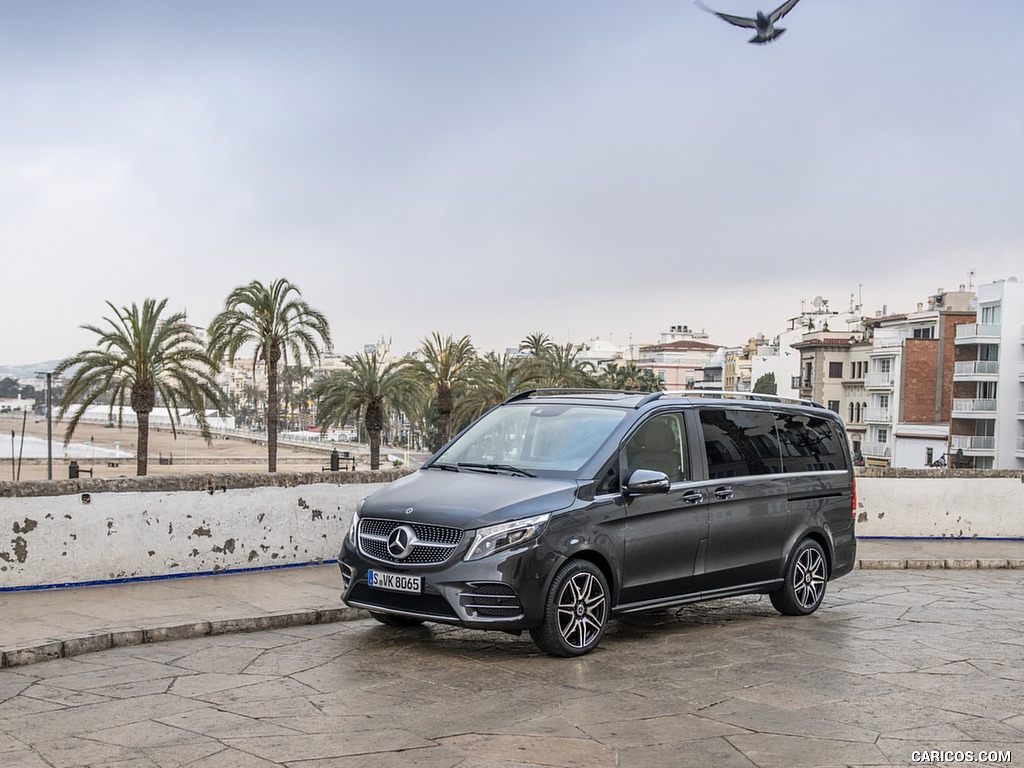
(435, 543)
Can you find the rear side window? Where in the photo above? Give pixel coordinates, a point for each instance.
(809, 443)
(739, 442)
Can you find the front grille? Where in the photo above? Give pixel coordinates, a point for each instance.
(434, 543)
(424, 605)
(491, 599)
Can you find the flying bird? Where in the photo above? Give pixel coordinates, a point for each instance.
(766, 31)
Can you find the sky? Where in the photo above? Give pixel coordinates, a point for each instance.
(582, 168)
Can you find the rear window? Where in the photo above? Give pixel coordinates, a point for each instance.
(810, 444)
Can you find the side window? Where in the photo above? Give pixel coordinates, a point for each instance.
(739, 442)
(660, 445)
(809, 443)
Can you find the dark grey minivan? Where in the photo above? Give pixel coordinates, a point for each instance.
(559, 510)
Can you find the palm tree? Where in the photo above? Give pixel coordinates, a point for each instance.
(442, 369)
(536, 344)
(493, 380)
(278, 322)
(630, 377)
(369, 386)
(144, 362)
(558, 366)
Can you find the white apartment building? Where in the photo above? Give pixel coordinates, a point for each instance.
(988, 381)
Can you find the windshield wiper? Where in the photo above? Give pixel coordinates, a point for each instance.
(497, 468)
(442, 465)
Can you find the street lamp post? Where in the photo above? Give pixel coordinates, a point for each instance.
(49, 421)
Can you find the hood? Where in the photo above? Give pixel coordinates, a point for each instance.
(467, 499)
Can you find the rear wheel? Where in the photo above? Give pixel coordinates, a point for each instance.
(575, 612)
(804, 587)
(395, 621)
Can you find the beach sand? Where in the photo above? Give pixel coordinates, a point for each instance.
(189, 452)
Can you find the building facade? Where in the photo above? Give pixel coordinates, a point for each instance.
(987, 429)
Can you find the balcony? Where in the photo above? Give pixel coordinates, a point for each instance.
(976, 370)
(978, 333)
(1020, 448)
(878, 415)
(976, 408)
(875, 450)
(878, 380)
(975, 445)
(1020, 409)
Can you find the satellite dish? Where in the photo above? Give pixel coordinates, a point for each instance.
(818, 301)
(1011, 279)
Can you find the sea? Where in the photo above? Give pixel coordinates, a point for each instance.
(35, 448)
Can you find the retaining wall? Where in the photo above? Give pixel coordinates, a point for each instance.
(958, 504)
(62, 532)
(56, 533)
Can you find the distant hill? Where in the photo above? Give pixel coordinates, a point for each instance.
(26, 371)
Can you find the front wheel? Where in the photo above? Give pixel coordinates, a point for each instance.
(575, 612)
(804, 587)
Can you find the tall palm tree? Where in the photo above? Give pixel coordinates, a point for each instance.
(559, 366)
(536, 344)
(367, 385)
(279, 323)
(144, 361)
(443, 367)
(493, 380)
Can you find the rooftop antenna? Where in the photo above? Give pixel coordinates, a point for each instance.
(970, 279)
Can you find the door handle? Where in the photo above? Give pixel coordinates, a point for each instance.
(693, 497)
(725, 492)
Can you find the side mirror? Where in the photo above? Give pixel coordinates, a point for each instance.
(647, 481)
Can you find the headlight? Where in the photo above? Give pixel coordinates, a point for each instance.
(353, 531)
(495, 538)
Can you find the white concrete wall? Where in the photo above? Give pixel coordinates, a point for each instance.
(103, 536)
(941, 507)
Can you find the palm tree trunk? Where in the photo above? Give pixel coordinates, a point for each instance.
(142, 453)
(272, 414)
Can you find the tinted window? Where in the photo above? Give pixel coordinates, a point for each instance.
(739, 443)
(809, 443)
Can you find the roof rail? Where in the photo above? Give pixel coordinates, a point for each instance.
(726, 395)
(525, 394)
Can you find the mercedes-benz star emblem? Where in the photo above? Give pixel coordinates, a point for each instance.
(401, 541)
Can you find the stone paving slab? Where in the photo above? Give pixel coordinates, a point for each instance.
(50, 624)
(895, 663)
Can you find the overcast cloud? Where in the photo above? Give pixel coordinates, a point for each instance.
(577, 167)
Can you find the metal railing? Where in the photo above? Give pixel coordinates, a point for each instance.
(878, 380)
(978, 330)
(976, 367)
(974, 405)
(972, 443)
(875, 450)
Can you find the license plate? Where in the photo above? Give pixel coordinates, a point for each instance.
(394, 582)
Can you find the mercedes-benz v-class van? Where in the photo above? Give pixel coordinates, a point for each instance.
(557, 511)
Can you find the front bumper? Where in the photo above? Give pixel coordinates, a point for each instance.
(504, 591)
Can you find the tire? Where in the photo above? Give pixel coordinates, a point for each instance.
(575, 612)
(806, 576)
(395, 621)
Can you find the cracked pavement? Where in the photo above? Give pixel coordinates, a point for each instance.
(895, 661)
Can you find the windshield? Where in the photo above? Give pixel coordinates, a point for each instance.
(535, 438)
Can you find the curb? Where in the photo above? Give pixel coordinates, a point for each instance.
(128, 636)
(939, 564)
